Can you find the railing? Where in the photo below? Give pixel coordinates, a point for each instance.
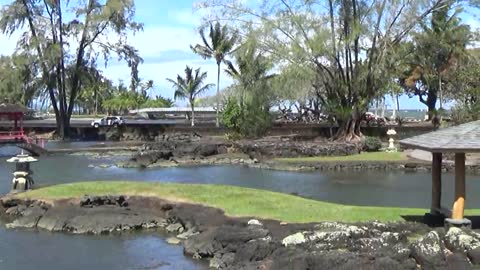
(20, 136)
(12, 135)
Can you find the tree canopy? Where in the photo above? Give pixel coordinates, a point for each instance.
(343, 44)
(68, 37)
(433, 55)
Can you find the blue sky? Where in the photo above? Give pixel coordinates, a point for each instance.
(170, 26)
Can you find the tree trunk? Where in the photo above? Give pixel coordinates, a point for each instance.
(193, 113)
(383, 107)
(440, 93)
(218, 95)
(394, 112)
(431, 102)
(349, 130)
(398, 105)
(96, 102)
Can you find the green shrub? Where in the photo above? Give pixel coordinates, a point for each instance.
(463, 114)
(372, 144)
(249, 120)
(232, 115)
(255, 121)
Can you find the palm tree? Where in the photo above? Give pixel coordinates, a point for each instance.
(221, 44)
(190, 87)
(251, 75)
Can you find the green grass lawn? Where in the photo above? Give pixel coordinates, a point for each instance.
(365, 156)
(235, 201)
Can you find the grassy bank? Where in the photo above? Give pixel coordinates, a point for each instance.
(235, 201)
(365, 156)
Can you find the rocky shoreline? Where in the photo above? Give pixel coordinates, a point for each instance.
(245, 243)
(406, 166)
(190, 149)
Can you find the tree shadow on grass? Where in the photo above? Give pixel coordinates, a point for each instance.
(435, 221)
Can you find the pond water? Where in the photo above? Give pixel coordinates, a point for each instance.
(43, 250)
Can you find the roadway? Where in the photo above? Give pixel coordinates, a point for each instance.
(85, 122)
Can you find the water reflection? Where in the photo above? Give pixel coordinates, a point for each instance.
(375, 188)
(42, 250)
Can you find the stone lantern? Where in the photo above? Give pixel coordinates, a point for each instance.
(391, 145)
(22, 177)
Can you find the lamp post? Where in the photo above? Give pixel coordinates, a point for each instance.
(391, 141)
(22, 177)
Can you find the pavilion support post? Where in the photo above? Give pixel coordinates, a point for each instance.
(436, 182)
(459, 204)
(21, 123)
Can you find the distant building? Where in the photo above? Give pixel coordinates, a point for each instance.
(205, 113)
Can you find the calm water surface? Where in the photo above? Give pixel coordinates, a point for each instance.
(43, 250)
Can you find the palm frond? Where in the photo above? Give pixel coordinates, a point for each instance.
(231, 70)
(179, 89)
(204, 88)
(205, 42)
(203, 51)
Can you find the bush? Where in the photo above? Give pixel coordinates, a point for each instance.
(463, 114)
(232, 115)
(372, 144)
(245, 121)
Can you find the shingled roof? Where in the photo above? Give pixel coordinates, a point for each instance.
(463, 138)
(12, 108)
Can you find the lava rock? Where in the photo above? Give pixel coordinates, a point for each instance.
(254, 222)
(458, 261)
(173, 241)
(202, 245)
(474, 255)
(175, 228)
(29, 217)
(428, 251)
(459, 240)
(294, 239)
(187, 234)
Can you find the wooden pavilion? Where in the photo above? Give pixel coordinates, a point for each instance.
(459, 140)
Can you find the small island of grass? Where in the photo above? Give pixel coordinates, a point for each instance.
(252, 220)
(235, 201)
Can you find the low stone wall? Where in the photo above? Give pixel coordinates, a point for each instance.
(407, 166)
(150, 132)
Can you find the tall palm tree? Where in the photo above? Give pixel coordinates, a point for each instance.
(221, 44)
(190, 87)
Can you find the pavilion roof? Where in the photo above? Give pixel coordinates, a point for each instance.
(12, 108)
(463, 138)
